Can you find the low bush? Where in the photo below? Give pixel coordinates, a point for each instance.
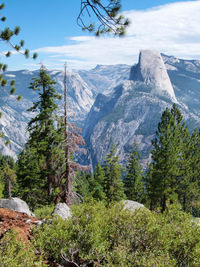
(44, 211)
(14, 252)
(116, 237)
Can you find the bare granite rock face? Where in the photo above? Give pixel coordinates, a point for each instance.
(132, 205)
(16, 204)
(152, 71)
(62, 210)
(83, 86)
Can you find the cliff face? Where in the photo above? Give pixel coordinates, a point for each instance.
(132, 111)
(151, 71)
(82, 86)
(14, 113)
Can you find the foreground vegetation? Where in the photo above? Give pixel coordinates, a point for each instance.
(110, 236)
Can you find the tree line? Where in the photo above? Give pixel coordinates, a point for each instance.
(171, 177)
(39, 177)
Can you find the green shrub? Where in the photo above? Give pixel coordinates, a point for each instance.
(84, 232)
(16, 253)
(116, 237)
(44, 211)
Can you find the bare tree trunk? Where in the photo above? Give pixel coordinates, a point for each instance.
(67, 170)
(9, 187)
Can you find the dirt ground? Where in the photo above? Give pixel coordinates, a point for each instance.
(21, 222)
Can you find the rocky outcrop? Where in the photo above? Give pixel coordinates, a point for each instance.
(62, 210)
(16, 204)
(151, 70)
(132, 205)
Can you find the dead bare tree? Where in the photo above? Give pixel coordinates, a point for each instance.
(73, 142)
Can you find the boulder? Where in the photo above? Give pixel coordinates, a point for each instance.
(16, 204)
(132, 205)
(62, 210)
(197, 221)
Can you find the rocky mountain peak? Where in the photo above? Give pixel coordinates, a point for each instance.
(152, 71)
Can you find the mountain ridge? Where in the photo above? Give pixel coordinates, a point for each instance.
(100, 96)
(138, 109)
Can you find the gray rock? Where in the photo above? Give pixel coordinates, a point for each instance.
(152, 71)
(62, 210)
(197, 221)
(37, 223)
(16, 204)
(29, 221)
(132, 205)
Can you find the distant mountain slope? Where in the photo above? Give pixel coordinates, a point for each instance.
(185, 78)
(132, 111)
(82, 87)
(103, 79)
(126, 102)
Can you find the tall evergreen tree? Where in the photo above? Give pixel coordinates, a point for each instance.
(45, 137)
(46, 147)
(42, 128)
(189, 193)
(7, 176)
(91, 185)
(97, 183)
(168, 155)
(31, 184)
(113, 177)
(81, 185)
(133, 180)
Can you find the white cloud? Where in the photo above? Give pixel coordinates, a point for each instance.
(173, 29)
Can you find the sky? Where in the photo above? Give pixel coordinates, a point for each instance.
(49, 28)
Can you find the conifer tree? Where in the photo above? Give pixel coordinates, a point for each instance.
(113, 177)
(6, 36)
(91, 185)
(43, 146)
(42, 128)
(167, 155)
(107, 13)
(31, 183)
(133, 180)
(71, 146)
(189, 191)
(81, 185)
(97, 183)
(48, 139)
(7, 175)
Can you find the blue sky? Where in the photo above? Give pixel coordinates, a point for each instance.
(49, 28)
